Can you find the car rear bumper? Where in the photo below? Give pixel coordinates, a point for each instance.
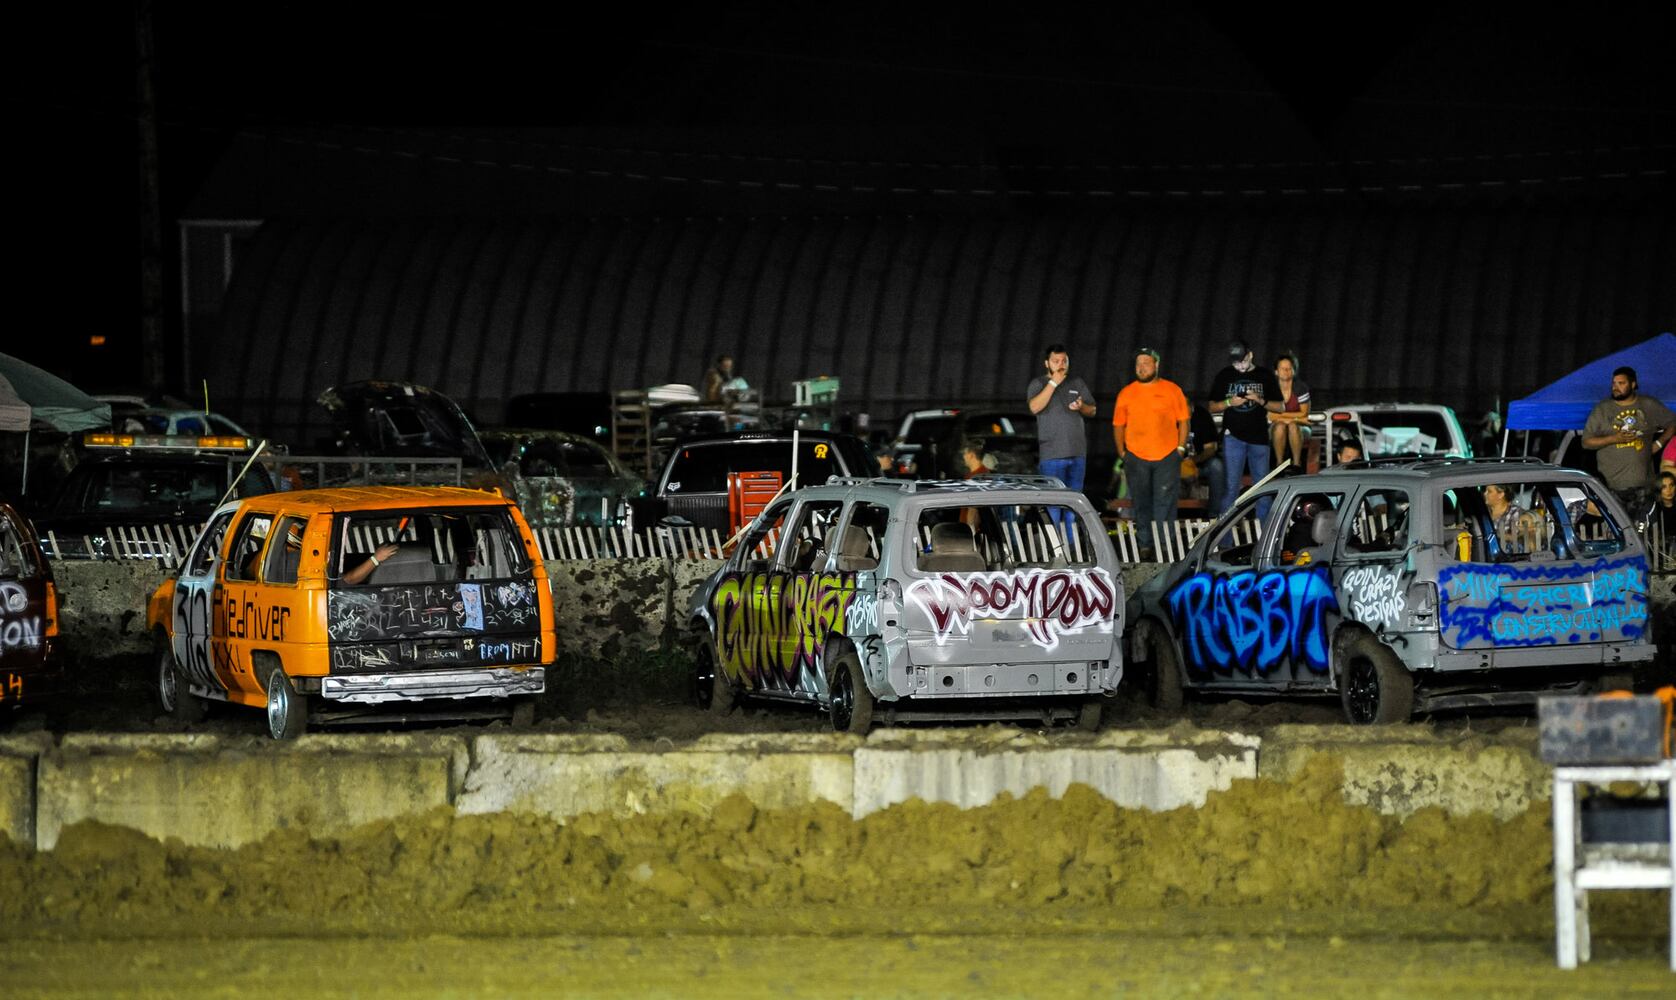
(1012, 680)
(488, 682)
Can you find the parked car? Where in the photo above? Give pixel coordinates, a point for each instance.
(166, 415)
(1391, 586)
(29, 668)
(563, 479)
(400, 419)
(585, 413)
(355, 597)
(145, 482)
(997, 598)
(1389, 429)
(927, 443)
(694, 481)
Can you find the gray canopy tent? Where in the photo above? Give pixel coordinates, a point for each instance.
(31, 398)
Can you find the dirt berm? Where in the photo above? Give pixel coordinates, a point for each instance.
(1275, 852)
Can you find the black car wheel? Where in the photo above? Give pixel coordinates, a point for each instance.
(1164, 688)
(710, 691)
(1375, 687)
(851, 705)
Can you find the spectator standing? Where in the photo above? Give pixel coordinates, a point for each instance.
(1245, 394)
(1149, 426)
(1204, 442)
(1626, 431)
(1661, 523)
(717, 378)
(1290, 427)
(1061, 402)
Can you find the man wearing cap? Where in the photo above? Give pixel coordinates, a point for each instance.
(1061, 402)
(1149, 426)
(1245, 393)
(1625, 432)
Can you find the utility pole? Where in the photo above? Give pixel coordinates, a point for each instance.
(151, 223)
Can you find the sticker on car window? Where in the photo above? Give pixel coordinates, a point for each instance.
(820, 451)
(674, 487)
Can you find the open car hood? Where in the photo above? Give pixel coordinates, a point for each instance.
(403, 419)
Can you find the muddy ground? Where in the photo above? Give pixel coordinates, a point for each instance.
(647, 696)
(1271, 887)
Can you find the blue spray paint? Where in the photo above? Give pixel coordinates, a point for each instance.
(1544, 605)
(1254, 621)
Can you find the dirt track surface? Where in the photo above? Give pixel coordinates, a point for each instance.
(1057, 963)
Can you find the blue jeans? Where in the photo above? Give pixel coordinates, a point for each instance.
(1069, 471)
(1154, 489)
(1237, 456)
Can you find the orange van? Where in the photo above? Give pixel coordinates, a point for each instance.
(336, 601)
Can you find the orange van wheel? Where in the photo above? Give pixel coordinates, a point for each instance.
(173, 697)
(287, 709)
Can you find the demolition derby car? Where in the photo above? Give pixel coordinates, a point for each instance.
(1403, 585)
(938, 599)
(355, 597)
(28, 615)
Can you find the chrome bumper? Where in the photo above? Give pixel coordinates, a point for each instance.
(488, 682)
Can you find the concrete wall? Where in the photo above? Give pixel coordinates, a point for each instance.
(217, 790)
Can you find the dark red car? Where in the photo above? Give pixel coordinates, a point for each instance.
(28, 614)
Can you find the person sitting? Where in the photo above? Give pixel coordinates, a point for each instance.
(1513, 524)
(359, 573)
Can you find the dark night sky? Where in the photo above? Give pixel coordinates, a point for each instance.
(1188, 85)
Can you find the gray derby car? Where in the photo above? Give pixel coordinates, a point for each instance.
(1419, 584)
(982, 598)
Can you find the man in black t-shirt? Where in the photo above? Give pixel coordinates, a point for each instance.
(1245, 393)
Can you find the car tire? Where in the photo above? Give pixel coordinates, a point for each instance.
(1374, 686)
(1622, 680)
(711, 691)
(1089, 715)
(287, 709)
(173, 697)
(523, 712)
(849, 702)
(1164, 688)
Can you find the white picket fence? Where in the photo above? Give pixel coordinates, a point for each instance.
(1170, 540)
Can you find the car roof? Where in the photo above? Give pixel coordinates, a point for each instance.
(887, 491)
(1428, 468)
(354, 498)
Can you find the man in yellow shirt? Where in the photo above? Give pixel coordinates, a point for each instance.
(1149, 425)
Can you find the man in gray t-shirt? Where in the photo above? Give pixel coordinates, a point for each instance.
(1626, 432)
(1061, 402)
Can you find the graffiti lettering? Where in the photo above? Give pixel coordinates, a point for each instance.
(771, 626)
(13, 597)
(1543, 605)
(20, 633)
(1376, 594)
(1253, 621)
(247, 621)
(862, 616)
(1051, 602)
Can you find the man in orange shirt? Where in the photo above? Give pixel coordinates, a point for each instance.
(1149, 425)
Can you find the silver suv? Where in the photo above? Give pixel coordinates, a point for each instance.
(1423, 584)
(937, 599)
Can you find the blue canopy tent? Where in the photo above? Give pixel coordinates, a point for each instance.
(1564, 405)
